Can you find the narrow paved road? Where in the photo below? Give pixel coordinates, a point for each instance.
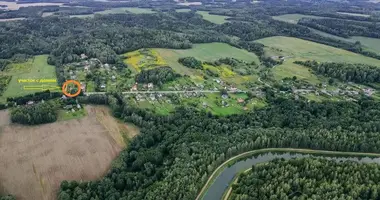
(165, 92)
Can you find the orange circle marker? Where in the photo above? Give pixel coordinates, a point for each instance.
(64, 86)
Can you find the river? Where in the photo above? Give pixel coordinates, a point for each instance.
(221, 183)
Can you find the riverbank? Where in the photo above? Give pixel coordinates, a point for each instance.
(248, 154)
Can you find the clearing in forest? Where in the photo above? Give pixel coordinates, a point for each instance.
(118, 11)
(217, 19)
(34, 69)
(294, 18)
(35, 159)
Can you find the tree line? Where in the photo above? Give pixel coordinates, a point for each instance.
(358, 73)
(309, 178)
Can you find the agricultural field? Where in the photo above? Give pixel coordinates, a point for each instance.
(354, 14)
(35, 68)
(207, 52)
(299, 49)
(370, 44)
(45, 155)
(118, 10)
(12, 19)
(13, 5)
(294, 18)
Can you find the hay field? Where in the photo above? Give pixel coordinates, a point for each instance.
(35, 159)
(297, 49)
(306, 50)
(294, 18)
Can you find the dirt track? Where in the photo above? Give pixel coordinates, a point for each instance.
(35, 159)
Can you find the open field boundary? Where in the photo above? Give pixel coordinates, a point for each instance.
(247, 154)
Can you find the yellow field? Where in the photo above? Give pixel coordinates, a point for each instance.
(144, 59)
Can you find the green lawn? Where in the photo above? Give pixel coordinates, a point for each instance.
(299, 49)
(119, 10)
(36, 68)
(293, 18)
(217, 19)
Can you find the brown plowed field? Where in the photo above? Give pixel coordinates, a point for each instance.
(35, 159)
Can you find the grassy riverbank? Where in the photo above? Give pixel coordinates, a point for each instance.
(248, 154)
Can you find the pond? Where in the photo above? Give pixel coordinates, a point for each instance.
(221, 183)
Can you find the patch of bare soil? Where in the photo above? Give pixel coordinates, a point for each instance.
(35, 159)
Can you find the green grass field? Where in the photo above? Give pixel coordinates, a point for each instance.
(217, 19)
(305, 50)
(289, 69)
(293, 18)
(204, 52)
(353, 14)
(371, 43)
(296, 49)
(118, 10)
(36, 68)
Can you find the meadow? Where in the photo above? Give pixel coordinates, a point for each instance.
(118, 10)
(297, 49)
(293, 18)
(34, 68)
(207, 52)
(354, 14)
(217, 19)
(305, 50)
(370, 44)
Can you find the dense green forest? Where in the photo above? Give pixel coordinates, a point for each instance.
(309, 178)
(191, 62)
(358, 73)
(156, 163)
(40, 113)
(157, 76)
